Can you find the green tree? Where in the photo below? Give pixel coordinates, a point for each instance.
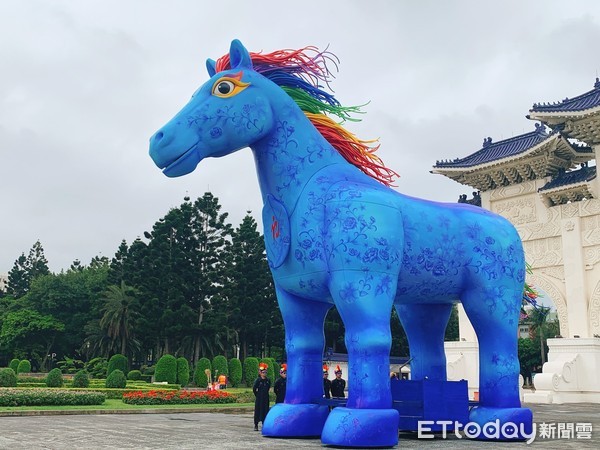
(25, 270)
(537, 318)
(18, 278)
(118, 315)
(452, 332)
(182, 276)
(529, 356)
(74, 299)
(31, 333)
(251, 304)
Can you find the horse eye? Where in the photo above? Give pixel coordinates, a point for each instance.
(224, 87)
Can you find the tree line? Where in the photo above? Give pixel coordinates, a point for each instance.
(193, 286)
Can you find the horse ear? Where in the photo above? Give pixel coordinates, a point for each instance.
(239, 56)
(211, 66)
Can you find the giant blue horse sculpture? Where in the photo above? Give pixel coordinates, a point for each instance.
(336, 235)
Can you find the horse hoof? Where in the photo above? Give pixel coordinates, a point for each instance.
(301, 420)
(351, 427)
(500, 424)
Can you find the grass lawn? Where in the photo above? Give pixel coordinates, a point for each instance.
(119, 405)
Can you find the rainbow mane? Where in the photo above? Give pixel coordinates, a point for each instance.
(300, 74)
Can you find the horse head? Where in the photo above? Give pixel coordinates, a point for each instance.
(229, 112)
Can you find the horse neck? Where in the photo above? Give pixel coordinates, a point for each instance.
(290, 155)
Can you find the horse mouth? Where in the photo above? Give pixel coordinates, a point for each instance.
(181, 165)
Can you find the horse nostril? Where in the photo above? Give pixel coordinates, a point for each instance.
(158, 136)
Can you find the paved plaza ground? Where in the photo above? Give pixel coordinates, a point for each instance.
(234, 431)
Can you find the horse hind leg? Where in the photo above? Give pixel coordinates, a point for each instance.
(425, 327)
(494, 314)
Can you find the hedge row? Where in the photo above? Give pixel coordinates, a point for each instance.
(109, 393)
(49, 397)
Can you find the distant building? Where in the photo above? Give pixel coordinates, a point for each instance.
(545, 182)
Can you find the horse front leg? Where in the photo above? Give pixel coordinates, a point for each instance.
(368, 419)
(298, 416)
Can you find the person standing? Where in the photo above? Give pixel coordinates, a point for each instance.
(326, 382)
(261, 388)
(281, 384)
(338, 385)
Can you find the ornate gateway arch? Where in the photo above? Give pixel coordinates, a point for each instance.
(545, 183)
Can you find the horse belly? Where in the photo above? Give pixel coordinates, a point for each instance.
(451, 248)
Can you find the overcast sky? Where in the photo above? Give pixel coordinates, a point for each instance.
(84, 84)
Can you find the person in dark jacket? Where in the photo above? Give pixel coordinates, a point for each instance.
(338, 385)
(261, 388)
(326, 382)
(280, 384)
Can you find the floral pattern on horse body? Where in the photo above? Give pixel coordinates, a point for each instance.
(337, 234)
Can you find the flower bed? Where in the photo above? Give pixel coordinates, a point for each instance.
(177, 397)
(49, 397)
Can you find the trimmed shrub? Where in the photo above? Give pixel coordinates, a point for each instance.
(53, 397)
(24, 367)
(199, 375)
(235, 372)
(8, 377)
(270, 369)
(81, 379)
(134, 375)
(54, 378)
(219, 366)
(96, 367)
(250, 370)
(276, 368)
(147, 378)
(166, 369)
(115, 362)
(116, 379)
(14, 365)
(183, 371)
(148, 370)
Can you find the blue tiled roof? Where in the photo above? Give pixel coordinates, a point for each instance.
(572, 177)
(492, 151)
(588, 100)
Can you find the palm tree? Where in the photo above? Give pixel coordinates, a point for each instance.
(119, 315)
(537, 318)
